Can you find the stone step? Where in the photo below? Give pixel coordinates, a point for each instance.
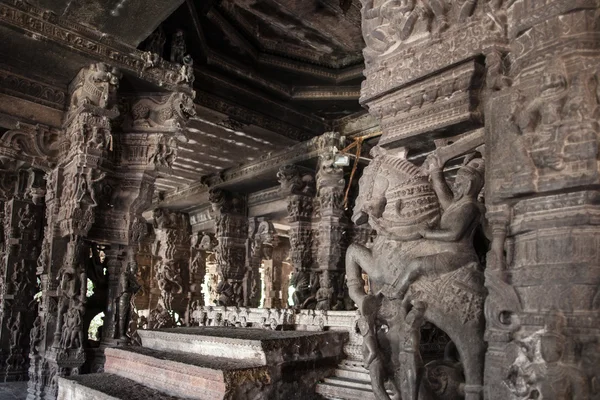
(354, 374)
(344, 392)
(348, 383)
(191, 376)
(265, 346)
(106, 387)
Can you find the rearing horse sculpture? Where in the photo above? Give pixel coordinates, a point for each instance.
(422, 267)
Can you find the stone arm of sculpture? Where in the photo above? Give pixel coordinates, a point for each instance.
(434, 166)
(462, 223)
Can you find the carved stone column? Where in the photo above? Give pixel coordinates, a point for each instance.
(201, 245)
(172, 270)
(261, 240)
(275, 287)
(23, 220)
(73, 194)
(232, 233)
(298, 187)
(332, 228)
(543, 272)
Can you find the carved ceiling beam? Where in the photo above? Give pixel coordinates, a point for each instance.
(34, 21)
(31, 89)
(324, 93)
(261, 169)
(248, 116)
(289, 50)
(331, 73)
(311, 123)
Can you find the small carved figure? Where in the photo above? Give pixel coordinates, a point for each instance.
(16, 331)
(539, 370)
(26, 218)
(324, 296)
(410, 356)
(495, 75)
(539, 119)
(100, 139)
(36, 335)
(168, 281)
(178, 47)
(128, 286)
(186, 71)
(72, 332)
(372, 357)
(86, 193)
(150, 59)
(97, 86)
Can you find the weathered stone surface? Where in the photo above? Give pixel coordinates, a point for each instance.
(265, 346)
(106, 387)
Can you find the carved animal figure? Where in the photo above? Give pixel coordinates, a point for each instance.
(172, 111)
(96, 86)
(428, 260)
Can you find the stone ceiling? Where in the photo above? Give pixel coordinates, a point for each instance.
(305, 55)
(269, 73)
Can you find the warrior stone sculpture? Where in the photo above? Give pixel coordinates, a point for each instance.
(422, 267)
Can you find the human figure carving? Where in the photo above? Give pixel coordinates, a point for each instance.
(324, 295)
(410, 355)
(178, 47)
(168, 281)
(128, 286)
(462, 214)
(86, 192)
(423, 252)
(36, 335)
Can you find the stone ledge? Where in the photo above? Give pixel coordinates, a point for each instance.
(264, 346)
(187, 375)
(106, 387)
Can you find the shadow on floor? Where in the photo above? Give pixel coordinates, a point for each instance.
(13, 391)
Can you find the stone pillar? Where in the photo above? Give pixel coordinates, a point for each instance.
(543, 271)
(261, 239)
(23, 220)
(231, 223)
(298, 187)
(73, 194)
(201, 245)
(172, 270)
(332, 228)
(275, 284)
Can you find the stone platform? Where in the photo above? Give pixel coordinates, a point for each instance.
(213, 363)
(350, 381)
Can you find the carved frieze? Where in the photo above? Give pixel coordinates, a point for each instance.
(87, 40)
(32, 90)
(443, 101)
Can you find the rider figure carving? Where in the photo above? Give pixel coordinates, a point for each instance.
(451, 241)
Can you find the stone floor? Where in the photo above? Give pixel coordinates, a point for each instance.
(13, 391)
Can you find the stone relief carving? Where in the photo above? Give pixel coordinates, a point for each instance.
(178, 47)
(560, 118)
(97, 86)
(422, 266)
(172, 111)
(128, 287)
(229, 210)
